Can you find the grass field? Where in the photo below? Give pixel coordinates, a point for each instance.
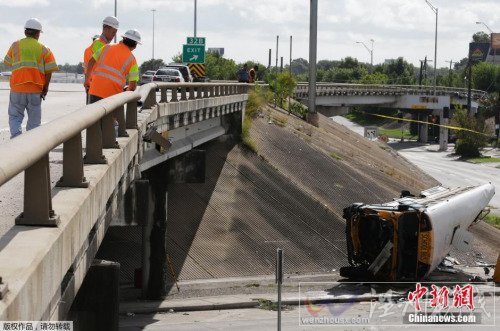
(493, 220)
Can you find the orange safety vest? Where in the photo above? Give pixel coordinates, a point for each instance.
(112, 68)
(89, 51)
(30, 61)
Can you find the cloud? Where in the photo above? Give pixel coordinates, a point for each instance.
(25, 3)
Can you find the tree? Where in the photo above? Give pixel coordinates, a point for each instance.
(481, 37)
(300, 66)
(283, 85)
(153, 64)
(400, 72)
(485, 77)
(469, 143)
(375, 78)
(177, 58)
(220, 68)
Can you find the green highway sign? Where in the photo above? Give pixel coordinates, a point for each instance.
(193, 53)
(195, 41)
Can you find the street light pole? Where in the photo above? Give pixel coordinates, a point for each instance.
(435, 10)
(153, 10)
(369, 51)
(491, 32)
(116, 15)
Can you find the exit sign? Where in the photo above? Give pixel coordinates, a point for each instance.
(193, 53)
(195, 41)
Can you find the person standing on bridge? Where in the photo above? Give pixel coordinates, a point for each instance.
(253, 74)
(111, 67)
(242, 74)
(110, 26)
(32, 66)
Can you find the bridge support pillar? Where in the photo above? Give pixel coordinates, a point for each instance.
(443, 130)
(96, 306)
(423, 135)
(158, 272)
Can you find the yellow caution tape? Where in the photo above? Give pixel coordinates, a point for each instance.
(456, 128)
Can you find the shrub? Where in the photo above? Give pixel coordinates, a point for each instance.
(469, 143)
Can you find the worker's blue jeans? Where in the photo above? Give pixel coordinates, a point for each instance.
(18, 102)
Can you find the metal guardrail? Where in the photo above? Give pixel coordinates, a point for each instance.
(374, 89)
(29, 152)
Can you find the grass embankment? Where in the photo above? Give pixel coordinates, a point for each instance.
(395, 133)
(493, 220)
(256, 100)
(483, 159)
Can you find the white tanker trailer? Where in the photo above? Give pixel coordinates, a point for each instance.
(406, 239)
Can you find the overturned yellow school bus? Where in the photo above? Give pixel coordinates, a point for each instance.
(406, 239)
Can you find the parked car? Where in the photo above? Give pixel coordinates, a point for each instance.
(168, 75)
(184, 69)
(147, 77)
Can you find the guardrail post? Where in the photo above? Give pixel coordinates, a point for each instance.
(205, 92)
(163, 93)
(93, 148)
(217, 90)
(174, 95)
(199, 93)
(73, 175)
(37, 196)
(120, 118)
(183, 93)
(108, 132)
(132, 115)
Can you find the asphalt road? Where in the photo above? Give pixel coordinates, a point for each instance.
(444, 166)
(62, 99)
(343, 316)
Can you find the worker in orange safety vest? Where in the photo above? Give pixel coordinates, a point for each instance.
(110, 26)
(32, 66)
(112, 67)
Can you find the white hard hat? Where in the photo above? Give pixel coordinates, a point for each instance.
(34, 24)
(133, 35)
(111, 21)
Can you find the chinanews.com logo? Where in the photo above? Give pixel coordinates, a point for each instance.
(412, 304)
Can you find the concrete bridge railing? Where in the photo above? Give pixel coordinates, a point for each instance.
(334, 89)
(44, 258)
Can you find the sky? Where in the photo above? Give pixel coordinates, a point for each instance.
(247, 29)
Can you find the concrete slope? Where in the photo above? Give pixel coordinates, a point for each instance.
(290, 195)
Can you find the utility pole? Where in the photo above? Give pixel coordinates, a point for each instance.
(313, 44)
(277, 44)
(269, 65)
(449, 75)
(290, 55)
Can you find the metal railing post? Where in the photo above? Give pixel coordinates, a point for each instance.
(120, 118)
(131, 115)
(73, 175)
(37, 196)
(93, 148)
(108, 132)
